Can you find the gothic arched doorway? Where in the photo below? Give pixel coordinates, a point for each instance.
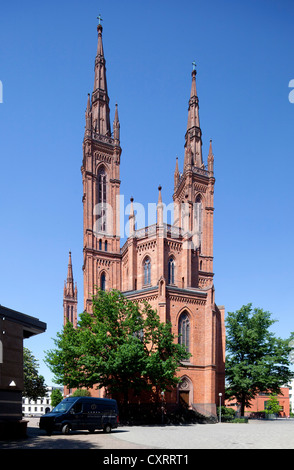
(185, 392)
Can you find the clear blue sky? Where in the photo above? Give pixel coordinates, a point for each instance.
(244, 54)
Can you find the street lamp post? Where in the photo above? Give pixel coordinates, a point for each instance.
(162, 407)
(220, 407)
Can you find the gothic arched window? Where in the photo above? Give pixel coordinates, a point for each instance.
(197, 222)
(184, 330)
(147, 271)
(171, 271)
(103, 281)
(101, 200)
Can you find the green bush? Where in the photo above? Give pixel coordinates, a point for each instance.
(56, 397)
(81, 392)
(227, 414)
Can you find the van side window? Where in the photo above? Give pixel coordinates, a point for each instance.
(78, 408)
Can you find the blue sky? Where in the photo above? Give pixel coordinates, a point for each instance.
(244, 54)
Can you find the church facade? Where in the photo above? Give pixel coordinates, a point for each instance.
(169, 266)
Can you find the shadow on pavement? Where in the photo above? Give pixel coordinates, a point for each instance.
(38, 439)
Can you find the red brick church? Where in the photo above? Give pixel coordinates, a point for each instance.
(169, 266)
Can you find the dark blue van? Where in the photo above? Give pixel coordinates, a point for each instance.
(75, 413)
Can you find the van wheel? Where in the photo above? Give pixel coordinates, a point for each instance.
(65, 429)
(107, 428)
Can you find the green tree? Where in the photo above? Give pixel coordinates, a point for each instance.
(81, 392)
(256, 360)
(272, 406)
(56, 397)
(34, 384)
(120, 346)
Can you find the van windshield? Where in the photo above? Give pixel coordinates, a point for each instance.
(62, 407)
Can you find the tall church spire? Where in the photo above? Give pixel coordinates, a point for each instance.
(100, 99)
(193, 125)
(101, 187)
(70, 296)
(70, 281)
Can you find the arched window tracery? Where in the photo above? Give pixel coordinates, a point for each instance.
(101, 199)
(103, 282)
(147, 271)
(184, 330)
(171, 270)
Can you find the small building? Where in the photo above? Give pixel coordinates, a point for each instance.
(40, 406)
(14, 328)
(291, 395)
(259, 403)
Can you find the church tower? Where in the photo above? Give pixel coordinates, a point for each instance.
(70, 297)
(101, 187)
(193, 200)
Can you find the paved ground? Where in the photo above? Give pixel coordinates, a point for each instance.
(257, 434)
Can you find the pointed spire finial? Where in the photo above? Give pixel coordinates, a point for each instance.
(69, 281)
(159, 208)
(116, 113)
(132, 221)
(193, 124)
(159, 194)
(100, 98)
(176, 173)
(99, 18)
(210, 159)
(116, 125)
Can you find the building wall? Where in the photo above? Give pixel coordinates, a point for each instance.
(291, 395)
(11, 337)
(258, 404)
(11, 369)
(14, 327)
(40, 406)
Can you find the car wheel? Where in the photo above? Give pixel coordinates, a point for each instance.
(65, 429)
(91, 430)
(107, 428)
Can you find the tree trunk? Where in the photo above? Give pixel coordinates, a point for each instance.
(242, 407)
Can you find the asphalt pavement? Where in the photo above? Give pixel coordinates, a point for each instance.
(256, 434)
